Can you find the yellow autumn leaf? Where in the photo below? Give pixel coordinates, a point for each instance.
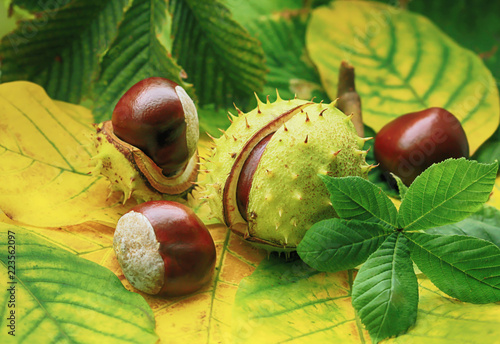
(495, 194)
(45, 160)
(403, 63)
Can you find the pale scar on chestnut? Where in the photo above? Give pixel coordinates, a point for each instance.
(163, 248)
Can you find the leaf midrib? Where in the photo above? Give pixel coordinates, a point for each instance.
(40, 131)
(301, 306)
(393, 273)
(217, 279)
(389, 63)
(353, 244)
(369, 211)
(359, 325)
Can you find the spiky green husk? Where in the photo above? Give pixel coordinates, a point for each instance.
(230, 144)
(286, 196)
(121, 173)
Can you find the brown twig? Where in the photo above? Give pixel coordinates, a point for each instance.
(403, 4)
(348, 99)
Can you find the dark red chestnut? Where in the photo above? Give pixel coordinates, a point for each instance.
(246, 175)
(413, 142)
(163, 248)
(157, 116)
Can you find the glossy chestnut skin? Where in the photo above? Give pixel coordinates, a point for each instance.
(150, 116)
(411, 143)
(186, 246)
(246, 175)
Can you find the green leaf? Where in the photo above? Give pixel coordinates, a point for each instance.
(281, 28)
(357, 198)
(385, 291)
(489, 152)
(7, 22)
(475, 27)
(395, 73)
(470, 227)
(402, 188)
(446, 193)
(60, 48)
(488, 214)
(212, 119)
(484, 224)
(60, 297)
(463, 267)
(9, 17)
(135, 54)
(39, 6)
(221, 59)
(248, 11)
(335, 245)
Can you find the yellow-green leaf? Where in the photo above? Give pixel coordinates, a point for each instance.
(288, 302)
(45, 157)
(404, 63)
(49, 295)
(206, 316)
(203, 317)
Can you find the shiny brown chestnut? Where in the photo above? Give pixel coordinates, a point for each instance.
(157, 116)
(246, 175)
(411, 143)
(163, 248)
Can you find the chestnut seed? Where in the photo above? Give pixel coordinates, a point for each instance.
(163, 248)
(411, 143)
(157, 116)
(246, 175)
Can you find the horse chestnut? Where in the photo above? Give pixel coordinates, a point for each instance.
(164, 248)
(148, 149)
(157, 116)
(411, 143)
(261, 179)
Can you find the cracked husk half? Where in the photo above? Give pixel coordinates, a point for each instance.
(131, 172)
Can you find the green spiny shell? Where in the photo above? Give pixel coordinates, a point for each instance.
(286, 196)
